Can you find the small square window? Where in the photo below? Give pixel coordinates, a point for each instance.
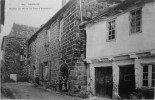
(145, 68)
(145, 75)
(145, 82)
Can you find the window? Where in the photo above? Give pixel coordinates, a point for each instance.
(61, 29)
(149, 75)
(111, 30)
(21, 58)
(29, 51)
(145, 75)
(135, 21)
(153, 76)
(47, 38)
(45, 69)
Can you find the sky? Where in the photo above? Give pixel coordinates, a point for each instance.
(28, 12)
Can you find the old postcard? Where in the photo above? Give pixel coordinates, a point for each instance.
(77, 49)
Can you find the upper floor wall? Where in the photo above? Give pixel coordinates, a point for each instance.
(63, 25)
(124, 41)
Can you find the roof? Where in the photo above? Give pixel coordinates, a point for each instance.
(116, 10)
(8, 37)
(19, 31)
(22, 31)
(47, 24)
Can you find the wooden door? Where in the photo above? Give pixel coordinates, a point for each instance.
(103, 81)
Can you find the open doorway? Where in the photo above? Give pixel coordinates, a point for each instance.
(126, 80)
(64, 74)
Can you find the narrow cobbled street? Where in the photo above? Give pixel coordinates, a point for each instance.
(25, 90)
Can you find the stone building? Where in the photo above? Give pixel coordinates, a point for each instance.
(56, 51)
(14, 53)
(120, 50)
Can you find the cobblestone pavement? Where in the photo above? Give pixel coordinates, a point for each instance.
(24, 90)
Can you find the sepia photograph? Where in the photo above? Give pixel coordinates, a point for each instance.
(77, 49)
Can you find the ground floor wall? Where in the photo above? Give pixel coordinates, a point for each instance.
(134, 70)
(14, 72)
(71, 76)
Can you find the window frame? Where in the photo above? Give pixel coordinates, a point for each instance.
(61, 22)
(21, 58)
(45, 71)
(47, 37)
(130, 19)
(149, 80)
(107, 28)
(30, 49)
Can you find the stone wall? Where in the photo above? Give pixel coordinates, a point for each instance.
(42, 52)
(54, 50)
(31, 62)
(14, 51)
(14, 48)
(71, 47)
(68, 49)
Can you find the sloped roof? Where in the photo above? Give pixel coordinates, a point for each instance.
(52, 19)
(117, 9)
(21, 32)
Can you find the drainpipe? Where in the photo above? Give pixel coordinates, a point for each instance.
(80, 10)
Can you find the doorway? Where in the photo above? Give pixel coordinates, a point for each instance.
(34, 72)
(126, 81)
(103, 82)
(64, 76)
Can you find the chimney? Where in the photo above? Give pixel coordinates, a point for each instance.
(63, 2)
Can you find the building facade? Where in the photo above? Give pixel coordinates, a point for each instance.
(56, 51)
(14, 53)
(120, 50)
